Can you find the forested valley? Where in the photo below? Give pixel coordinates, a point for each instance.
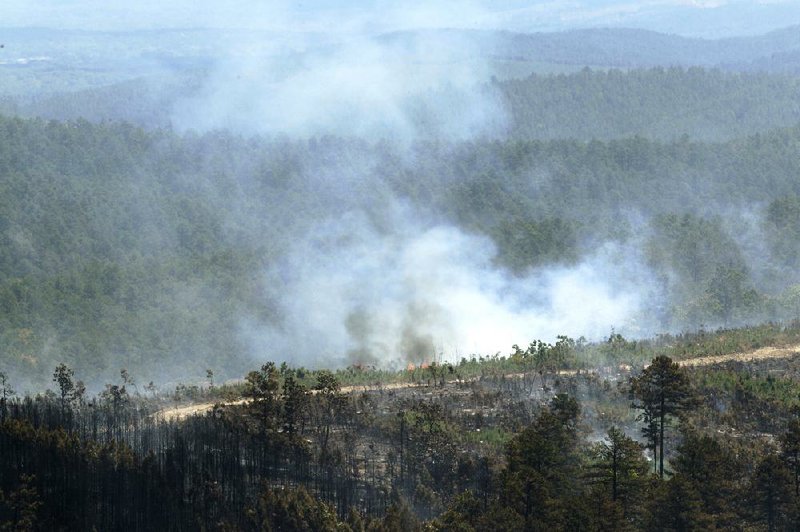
(154, 246)
(560, 289)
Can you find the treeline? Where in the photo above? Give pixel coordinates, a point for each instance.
(662, 448)
(662, 103)
(148, 248)
(145, 101)
(109, 462)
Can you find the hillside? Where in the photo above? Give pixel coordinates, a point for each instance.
(373, 383)
(328, 266)
(453, 448)
(169, 254)
(608, 47)
(148, 77)
(660, 104)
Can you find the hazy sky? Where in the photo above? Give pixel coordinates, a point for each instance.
(709, 18)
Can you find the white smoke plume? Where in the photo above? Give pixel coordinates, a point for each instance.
(398, 87)
(355, 293)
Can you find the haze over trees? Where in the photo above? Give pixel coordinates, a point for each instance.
(131, 246)
(324, 242)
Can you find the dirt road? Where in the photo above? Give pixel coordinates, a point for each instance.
(181, 412)
(764, 353)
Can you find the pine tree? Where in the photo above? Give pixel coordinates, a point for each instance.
(662, 390)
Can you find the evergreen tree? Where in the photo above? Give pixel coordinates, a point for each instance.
(6, 392)
(790, 450)
(63, 377)
(676, 505)
(22, 506)
(541, 477)
(770, 492)
(620, 468)
(662, 391)
(712, 472)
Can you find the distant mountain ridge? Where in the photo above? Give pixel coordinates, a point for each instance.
(611, 47)
(600, 47)
(141, 76)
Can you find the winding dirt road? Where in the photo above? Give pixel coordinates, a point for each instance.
(177, 413)
(764, 353)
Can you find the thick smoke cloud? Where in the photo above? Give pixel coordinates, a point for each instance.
(353, 292)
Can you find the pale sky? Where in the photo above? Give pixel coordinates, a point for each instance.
(709, 18)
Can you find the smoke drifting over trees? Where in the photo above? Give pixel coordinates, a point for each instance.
(415, 292)
(399, 266)
(372, 87)
(383, 190)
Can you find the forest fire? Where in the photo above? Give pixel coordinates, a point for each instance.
(411, 366)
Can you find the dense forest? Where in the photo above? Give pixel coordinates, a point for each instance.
(656, 103)
(425, 279)
(156, 247)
